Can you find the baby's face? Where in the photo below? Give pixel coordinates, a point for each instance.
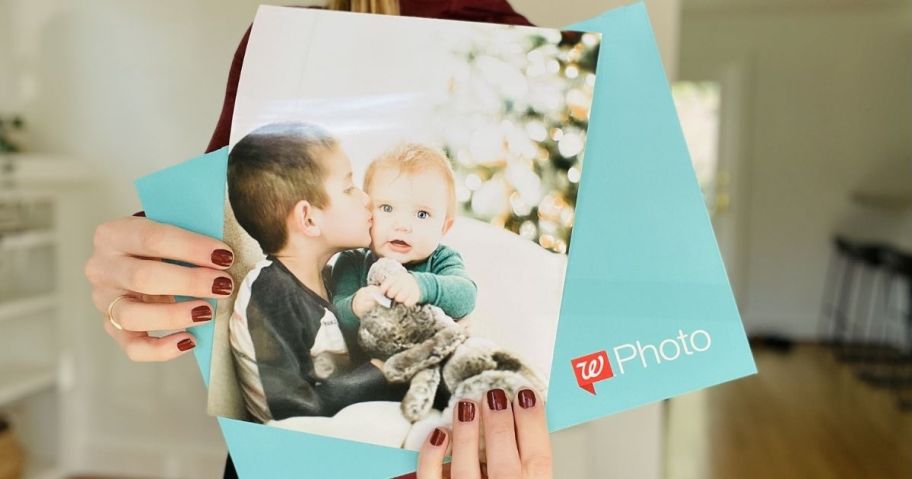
(410, 214)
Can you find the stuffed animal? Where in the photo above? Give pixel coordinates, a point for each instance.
(423, 346)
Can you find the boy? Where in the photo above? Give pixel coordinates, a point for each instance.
(290, 186)
(414, 200)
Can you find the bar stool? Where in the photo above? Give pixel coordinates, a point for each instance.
(834, 286)
(856, 308)
(904, 369)
(895, 336)
(894, 370)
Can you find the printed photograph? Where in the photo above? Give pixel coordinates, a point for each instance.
(401, 204)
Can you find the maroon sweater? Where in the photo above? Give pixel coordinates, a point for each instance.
(489, 11)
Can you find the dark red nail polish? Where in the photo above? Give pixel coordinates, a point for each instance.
(466, 411)
(140, 214)
(185, 345)
(437, 437)
(222, 257)
(526, 398)
(497, 400)
(222, 286)
(201, 313)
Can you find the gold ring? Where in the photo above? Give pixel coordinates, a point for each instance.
(110, 313)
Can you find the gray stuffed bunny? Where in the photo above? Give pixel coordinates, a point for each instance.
(422, 345)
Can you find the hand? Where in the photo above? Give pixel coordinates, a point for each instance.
(402, 288)
(127, 261)
(516, 440)
(364, 300)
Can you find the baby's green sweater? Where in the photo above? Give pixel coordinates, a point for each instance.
(442, 279)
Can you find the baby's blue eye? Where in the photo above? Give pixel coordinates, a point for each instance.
(423, 215)
(386, 208)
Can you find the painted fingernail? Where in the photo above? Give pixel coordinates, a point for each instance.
(437, 437)
(185, 345)
(466, 411)
(221, 285)
(201, 313)
(140, 214)
(526, 398)
(497, 399)
(222, 257)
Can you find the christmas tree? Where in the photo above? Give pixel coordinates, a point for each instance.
(515, 129)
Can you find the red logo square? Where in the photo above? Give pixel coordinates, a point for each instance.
(590, 369)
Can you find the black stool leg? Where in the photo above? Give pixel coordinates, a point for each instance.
(826, 324)
(880, 367)
(840, 317)
(851, 346)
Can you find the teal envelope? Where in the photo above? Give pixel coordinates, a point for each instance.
(645, 287)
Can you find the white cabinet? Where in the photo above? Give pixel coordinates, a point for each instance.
(35, 192)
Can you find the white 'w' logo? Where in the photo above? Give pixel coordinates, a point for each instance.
(591, 369)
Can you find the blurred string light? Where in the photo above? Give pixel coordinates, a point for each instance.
(515, 128)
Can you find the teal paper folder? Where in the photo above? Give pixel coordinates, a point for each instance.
(645, 286)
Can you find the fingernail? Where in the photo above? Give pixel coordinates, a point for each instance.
(222, 285)
(437, 437)
(185, 344)
(140, 214)
(201, 313)
(222, 257)
(466, 411)
(526, 398)
(497, 399)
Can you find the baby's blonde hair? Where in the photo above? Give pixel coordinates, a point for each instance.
(412, 158)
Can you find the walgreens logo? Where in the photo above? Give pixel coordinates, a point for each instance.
(595, 367)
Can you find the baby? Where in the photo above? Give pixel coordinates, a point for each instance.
(414, 203)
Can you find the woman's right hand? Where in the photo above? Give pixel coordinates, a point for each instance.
(127, 261)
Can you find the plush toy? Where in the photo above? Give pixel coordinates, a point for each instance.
(423, 346)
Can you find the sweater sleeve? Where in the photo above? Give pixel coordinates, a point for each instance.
(346, 281)
(289, 393)
(284, 366)
(447, 284)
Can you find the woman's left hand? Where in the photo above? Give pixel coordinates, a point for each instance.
(516, 440)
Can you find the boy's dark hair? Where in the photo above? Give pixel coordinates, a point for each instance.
(269, 171)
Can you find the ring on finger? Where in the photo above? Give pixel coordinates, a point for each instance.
(110, 312)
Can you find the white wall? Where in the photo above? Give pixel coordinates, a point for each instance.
(829, 103)
(127, 87)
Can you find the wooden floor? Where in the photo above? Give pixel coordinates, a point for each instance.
(805, 415)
